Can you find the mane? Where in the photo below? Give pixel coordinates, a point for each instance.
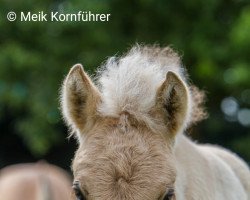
(129, 83)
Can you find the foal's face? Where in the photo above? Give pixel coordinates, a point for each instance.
(122, 157)
(115, 164)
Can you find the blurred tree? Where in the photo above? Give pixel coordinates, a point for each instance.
(212, 36)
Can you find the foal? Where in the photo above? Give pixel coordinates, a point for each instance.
(34, 181)
(130, 132)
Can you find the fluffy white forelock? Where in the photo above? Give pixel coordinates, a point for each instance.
(130, 83)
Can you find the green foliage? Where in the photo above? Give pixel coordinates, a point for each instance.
(212, 36)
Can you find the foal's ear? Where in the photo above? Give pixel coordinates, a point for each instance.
(79, 99)
(173, 99)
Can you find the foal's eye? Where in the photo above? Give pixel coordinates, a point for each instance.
(169, 195)
(78, 193)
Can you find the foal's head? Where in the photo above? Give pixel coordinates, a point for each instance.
(124, 155)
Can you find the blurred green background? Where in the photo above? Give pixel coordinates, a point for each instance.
(213, 37)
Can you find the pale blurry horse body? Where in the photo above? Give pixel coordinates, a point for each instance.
(130, 132)
(39, 181)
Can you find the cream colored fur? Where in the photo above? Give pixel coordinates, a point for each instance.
(133, 81)
(130, 132)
